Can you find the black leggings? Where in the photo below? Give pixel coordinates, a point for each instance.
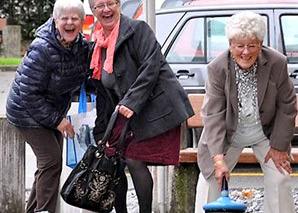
(143, 185)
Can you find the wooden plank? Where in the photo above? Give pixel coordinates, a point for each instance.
(247, 156)
(189, 155)
(196, 101)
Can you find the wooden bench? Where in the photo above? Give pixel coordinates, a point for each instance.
(189, 155)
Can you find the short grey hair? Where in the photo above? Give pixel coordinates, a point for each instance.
(91, 3)
(61, 5)
(246, 24)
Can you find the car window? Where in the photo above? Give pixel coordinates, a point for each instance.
(290, 36)
(217, 41)
(129, 7)
(163, 30)
(189, 45)
(200, 40)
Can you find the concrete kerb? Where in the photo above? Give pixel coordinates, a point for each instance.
(4, 68)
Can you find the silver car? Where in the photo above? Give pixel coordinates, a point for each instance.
(193, 35)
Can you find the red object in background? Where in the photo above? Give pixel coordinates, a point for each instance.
(3, 22)
(91, 26)
(138, 12)
(87, 27)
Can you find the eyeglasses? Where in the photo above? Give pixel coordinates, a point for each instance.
(110, 5)
(249, 47)
(65, 19)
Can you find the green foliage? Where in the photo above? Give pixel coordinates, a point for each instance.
(10, 61)
(30, 14)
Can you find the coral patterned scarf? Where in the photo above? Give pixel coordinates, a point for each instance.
(109, 43)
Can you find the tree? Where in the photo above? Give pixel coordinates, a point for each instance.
(30, 14)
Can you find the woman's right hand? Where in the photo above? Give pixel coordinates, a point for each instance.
(221, 170)
(125, 111)
(66, 128)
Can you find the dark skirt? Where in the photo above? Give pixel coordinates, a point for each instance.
(162, 149)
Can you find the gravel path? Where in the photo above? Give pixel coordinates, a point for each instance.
(255, 203)
(252, 198)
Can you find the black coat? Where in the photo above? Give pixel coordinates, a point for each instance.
(147, 84)
(44, 82)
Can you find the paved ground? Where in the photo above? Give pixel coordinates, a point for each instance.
(6, 79)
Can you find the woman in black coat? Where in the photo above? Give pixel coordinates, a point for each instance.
(131, 74)
(54, 66)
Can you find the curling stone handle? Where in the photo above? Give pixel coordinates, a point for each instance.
(224, 184)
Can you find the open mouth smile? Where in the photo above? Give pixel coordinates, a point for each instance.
(107, 17)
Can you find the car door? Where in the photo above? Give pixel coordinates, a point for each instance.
(197, 39)
(287, 39)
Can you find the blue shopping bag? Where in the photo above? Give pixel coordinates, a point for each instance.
(83, 124)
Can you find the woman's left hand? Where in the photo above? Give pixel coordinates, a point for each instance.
(281, 159)
(126, 112)
(66, 128)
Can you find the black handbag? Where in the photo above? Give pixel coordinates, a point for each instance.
(91, 184)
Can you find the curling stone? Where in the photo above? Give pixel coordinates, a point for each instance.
(224, 203)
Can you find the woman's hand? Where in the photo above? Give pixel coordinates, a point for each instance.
(281, 159)
(66, 128)
(126, 112)
(220, 169)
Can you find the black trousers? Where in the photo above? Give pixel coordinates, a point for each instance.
(47, 145)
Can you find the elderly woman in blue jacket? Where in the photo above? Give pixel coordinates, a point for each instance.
(54, 66)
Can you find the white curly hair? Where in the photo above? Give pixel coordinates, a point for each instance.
(246, 24)
(61, 5)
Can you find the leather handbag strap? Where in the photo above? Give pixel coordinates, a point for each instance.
(109, 131)
(110, 127)
(121, 140)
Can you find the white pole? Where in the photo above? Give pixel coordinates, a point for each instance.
(149, 17)
(161, 174)
(149, 12)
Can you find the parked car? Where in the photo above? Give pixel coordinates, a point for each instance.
(194, 34)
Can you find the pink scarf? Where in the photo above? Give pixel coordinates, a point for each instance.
(101, 42)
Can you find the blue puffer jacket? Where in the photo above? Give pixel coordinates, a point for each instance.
(46, 79)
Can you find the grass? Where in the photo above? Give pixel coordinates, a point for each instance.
(10, 61)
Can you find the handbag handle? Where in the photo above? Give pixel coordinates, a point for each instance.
(120, 143)
(110, 127)
(109, 131)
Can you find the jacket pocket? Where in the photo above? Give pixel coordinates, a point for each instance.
(157, 106)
